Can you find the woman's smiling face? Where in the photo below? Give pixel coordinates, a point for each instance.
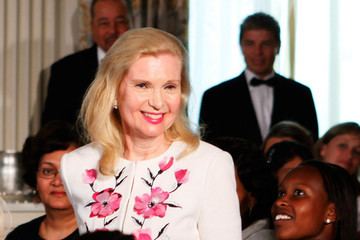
(149, 96)
(302, 206)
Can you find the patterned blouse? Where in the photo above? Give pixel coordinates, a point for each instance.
(161, 198)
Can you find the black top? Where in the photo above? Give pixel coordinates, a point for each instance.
(30, 231)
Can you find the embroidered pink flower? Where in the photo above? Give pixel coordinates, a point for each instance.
(90, 176)
(106, 203)
(181, 176)
(143, 234)
(152, 205)
(163, 165)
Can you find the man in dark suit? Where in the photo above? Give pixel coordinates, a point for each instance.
(71, 76)
(248, 105)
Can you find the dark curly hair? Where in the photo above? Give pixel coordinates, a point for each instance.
(55, 135)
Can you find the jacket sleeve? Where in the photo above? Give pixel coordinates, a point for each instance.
(220, 213)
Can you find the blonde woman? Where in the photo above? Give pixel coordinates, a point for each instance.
(145, 172)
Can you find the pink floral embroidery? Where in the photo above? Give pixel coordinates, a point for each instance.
(152, 205)
(163, 165)
(106, 203)
(90, 176)
(181, 176)
(143, 234)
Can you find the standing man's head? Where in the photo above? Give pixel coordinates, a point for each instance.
(109, 19)
(260, 42)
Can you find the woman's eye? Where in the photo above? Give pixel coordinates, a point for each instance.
(141, 85)
(298, 192)
(171, 87)
(280, 194)
(342, 145)
(48, 171)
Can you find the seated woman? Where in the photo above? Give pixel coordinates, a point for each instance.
(256, 187)
(288, 131)
(284, 156)
(316, 200)
(41, 156)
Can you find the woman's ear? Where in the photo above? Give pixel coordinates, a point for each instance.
(323, 149)
(330, 214)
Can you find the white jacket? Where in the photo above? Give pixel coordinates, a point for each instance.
(187, 199)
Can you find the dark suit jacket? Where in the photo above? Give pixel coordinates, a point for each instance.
(227, 109)
(70, 77)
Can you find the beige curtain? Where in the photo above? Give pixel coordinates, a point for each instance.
(292, 37)
(34, 34)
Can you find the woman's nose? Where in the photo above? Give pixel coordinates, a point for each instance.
(57, 180)
(156, 100)
(281, 202)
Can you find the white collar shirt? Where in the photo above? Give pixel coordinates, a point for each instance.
(262, 98)
(100, 54)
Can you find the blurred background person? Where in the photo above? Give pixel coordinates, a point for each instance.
(72, 75)
(41, 156)
(145, 171)
(340, 145)
(288, 131)
(284, 156)
(316, 200)
(249, 104)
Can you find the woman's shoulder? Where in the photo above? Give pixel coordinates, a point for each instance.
(207, 153)
(88, 152)
(28, 230)
(211, 150)
(86, 156)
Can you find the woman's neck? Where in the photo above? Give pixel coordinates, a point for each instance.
(142, 149)
(58, 224)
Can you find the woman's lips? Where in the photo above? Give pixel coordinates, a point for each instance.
(58, 193)
(153, 118)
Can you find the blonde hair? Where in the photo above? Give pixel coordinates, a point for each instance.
(101, 123)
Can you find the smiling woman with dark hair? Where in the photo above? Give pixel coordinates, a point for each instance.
(316, 200)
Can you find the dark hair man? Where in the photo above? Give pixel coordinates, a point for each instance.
(248, 105)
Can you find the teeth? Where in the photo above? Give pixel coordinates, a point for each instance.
(153, 116)
(282, 217)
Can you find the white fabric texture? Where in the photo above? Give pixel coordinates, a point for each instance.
(201, 204)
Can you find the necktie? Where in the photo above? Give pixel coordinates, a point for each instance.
(257, 82)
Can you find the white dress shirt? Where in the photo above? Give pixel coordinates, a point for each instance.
(100, 54)
(262, 98)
